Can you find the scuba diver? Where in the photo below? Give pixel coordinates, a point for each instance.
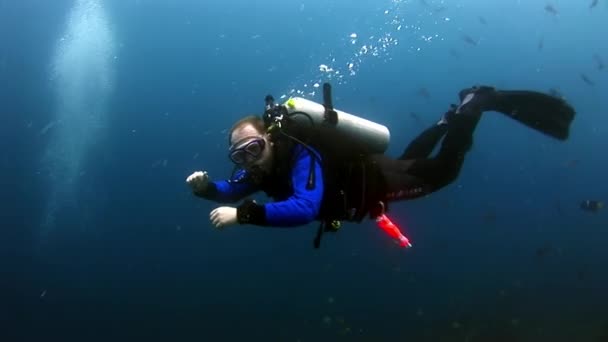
(322, 164)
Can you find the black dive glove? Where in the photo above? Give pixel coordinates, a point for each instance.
(251, 213)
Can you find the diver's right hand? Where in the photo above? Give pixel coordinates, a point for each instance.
(198, 181)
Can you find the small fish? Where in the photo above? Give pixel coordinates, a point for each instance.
(550, 9)
(423, 92)
(47, 127)
(454, 53)
(581, 275)
(599, 63)
(592, 206)
(555, 93)
(593, 3)
(546, 250)
(559, 208)
(469, 40)
(571, 163)
(541, 43)
(489, 217)
(482, 20)
(587, 80)
(440, 9)
(416, 118)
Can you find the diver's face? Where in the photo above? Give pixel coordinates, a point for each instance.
(251, 149)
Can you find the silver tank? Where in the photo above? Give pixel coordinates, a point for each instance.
(349, 130)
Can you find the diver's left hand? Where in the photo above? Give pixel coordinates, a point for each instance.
(223, 216)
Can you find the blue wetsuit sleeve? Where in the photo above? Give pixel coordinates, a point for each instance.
(229, 191)
(304, 205)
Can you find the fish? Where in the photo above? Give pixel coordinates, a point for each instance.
(599, 63)
(550, 9)
(454, 53)
(482, 20)
(556, 93)
(423, 92)
(541, 43)
(559, 208)
(545, 250)
(581, 275)
(416, 118)
(587, 80)
(592, 206)
(489, 217)
(469, 40)
(571, 163)
(593, 3)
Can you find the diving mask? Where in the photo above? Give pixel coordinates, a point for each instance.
(247, 150)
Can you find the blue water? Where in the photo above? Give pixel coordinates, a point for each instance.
(107, 107)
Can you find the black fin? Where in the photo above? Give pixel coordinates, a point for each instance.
(545, 113)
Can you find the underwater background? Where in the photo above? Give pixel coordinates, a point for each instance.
(107, 106)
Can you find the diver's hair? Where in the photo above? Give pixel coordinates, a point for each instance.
(253, 120)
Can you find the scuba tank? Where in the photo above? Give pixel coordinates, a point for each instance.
(350, 129)
(343, 140)
(320, 124)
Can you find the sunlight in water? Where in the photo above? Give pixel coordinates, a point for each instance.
(82, 78)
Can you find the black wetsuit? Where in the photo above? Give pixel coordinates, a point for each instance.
(415, 173)
(345, 183)
(343, 186)
(380, 179)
